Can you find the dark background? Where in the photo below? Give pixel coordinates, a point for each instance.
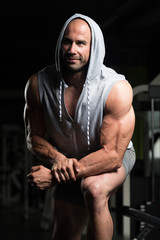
(28, 35)
(29, 32)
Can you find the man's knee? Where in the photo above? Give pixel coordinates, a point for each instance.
(90, 188)
(94, 193)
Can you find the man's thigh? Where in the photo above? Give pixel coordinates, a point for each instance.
(109, 182)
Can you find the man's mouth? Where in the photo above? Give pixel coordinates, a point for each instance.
(72, 59)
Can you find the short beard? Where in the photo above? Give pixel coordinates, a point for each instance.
(66, 68)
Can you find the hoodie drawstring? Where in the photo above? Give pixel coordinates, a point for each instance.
(88, 109)
(60, 101)
(88, 114)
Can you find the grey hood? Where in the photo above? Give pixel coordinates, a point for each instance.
(97, 46)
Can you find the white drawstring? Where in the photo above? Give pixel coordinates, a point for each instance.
(88, 114)
(60, 101)
(88, 109)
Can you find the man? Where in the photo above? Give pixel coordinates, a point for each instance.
(79, 119)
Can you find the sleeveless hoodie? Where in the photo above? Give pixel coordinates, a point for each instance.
(77, 138)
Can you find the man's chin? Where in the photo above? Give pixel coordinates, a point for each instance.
(73, 68)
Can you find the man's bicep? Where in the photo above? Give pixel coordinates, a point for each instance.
(116, 133)
(33, 114)
(118, 122)
(34, 121)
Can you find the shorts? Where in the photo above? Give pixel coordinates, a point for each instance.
(71, 192)
(129, 160)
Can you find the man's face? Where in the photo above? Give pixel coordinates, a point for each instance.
(76, 46)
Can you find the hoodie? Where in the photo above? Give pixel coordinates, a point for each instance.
(78, 137)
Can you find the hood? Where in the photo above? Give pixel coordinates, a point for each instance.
(97, 46)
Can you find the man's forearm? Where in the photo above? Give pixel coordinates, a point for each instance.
(98, 162)
(62, 168)
(43, 150)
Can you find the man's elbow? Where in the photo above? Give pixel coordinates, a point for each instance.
(29, 143)
(117, 161)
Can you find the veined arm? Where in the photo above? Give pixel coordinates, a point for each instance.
(116, 132)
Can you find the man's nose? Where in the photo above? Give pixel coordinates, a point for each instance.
(72, 48)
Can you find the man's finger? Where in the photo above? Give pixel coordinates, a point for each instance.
(55, 175)
(29, 176)
(66, 175)
(61, 175)
(35, 168)
(71, 174)
(76, 165)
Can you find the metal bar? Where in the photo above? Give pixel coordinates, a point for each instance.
(152, 150)
(141, 216)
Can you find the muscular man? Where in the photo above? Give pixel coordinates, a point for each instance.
(79, 119)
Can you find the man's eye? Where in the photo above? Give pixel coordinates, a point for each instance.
(66, 41)
(81, 43)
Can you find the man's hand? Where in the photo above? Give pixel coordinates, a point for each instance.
(63, 170)
(41, 177)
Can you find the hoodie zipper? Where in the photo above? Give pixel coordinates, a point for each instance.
(72, 121)
(75, 138)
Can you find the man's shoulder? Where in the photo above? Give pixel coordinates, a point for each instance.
(48, 75)
(50, 69)
(120, 97)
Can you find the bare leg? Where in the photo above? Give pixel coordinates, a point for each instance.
(100, 224)
(69, 221)
(97, 191)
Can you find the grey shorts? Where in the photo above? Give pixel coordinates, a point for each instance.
(72, 193)
(129, 160)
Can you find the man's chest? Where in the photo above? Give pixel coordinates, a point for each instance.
(71, 96)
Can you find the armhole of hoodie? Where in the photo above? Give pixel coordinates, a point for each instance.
(106, 92)
(40, 86)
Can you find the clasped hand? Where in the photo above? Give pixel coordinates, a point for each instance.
(63, 171)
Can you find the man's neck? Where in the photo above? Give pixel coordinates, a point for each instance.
(74, 79)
